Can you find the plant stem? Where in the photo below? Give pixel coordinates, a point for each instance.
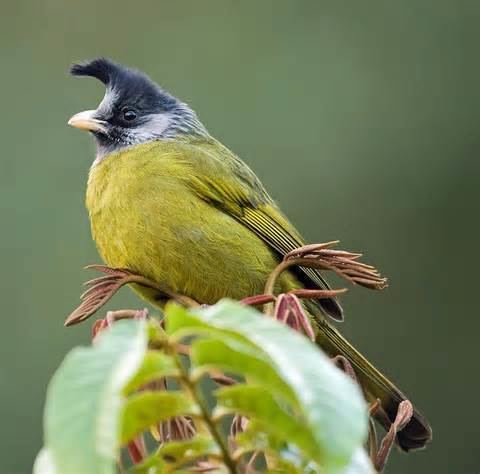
(192, 387)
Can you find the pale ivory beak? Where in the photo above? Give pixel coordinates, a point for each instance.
(86, 121)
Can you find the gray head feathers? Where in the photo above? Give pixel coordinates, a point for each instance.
(135, 109)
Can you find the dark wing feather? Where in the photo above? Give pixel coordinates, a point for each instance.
(279, 239)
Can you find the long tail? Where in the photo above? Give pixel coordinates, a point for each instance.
(376, 386)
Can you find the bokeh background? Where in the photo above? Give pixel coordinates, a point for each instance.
(362, 119)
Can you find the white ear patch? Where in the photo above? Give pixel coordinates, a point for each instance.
(153, 127)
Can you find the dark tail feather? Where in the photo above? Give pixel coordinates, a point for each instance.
(376, 386)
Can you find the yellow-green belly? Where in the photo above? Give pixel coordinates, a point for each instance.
(146, 218)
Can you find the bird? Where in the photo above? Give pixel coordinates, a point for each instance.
(168, 201)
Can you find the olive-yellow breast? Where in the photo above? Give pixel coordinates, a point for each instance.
(148, 216)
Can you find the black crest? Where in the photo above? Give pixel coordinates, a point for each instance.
(131, 85)
(103, 69)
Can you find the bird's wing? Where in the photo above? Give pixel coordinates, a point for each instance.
(226, 182)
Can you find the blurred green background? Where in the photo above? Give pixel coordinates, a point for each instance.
(362, 120)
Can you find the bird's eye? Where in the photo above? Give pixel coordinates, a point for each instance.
(129, 114)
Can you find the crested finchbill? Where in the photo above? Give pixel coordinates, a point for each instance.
(168, 201)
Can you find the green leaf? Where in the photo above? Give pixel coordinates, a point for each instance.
(145, 409)
(360, 464)
(155, 366)
(178, 318)
(84, 402)
(331, 404)
(151, 465)
(233, 355)
(44, 463)
(258, 403)
(176, 454)
(281, 453)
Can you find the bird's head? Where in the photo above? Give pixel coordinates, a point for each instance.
(134, 109)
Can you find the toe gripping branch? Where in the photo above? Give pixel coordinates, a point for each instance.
(285, 307)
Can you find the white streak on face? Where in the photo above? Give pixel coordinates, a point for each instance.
(106, 105)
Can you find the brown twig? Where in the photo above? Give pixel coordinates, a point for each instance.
(404, 415)
(344, 364)
(372, 440)
(322, 257)
(112, 316)
(258, 300)
(290, 311)
(101, 289)
(137, 450)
